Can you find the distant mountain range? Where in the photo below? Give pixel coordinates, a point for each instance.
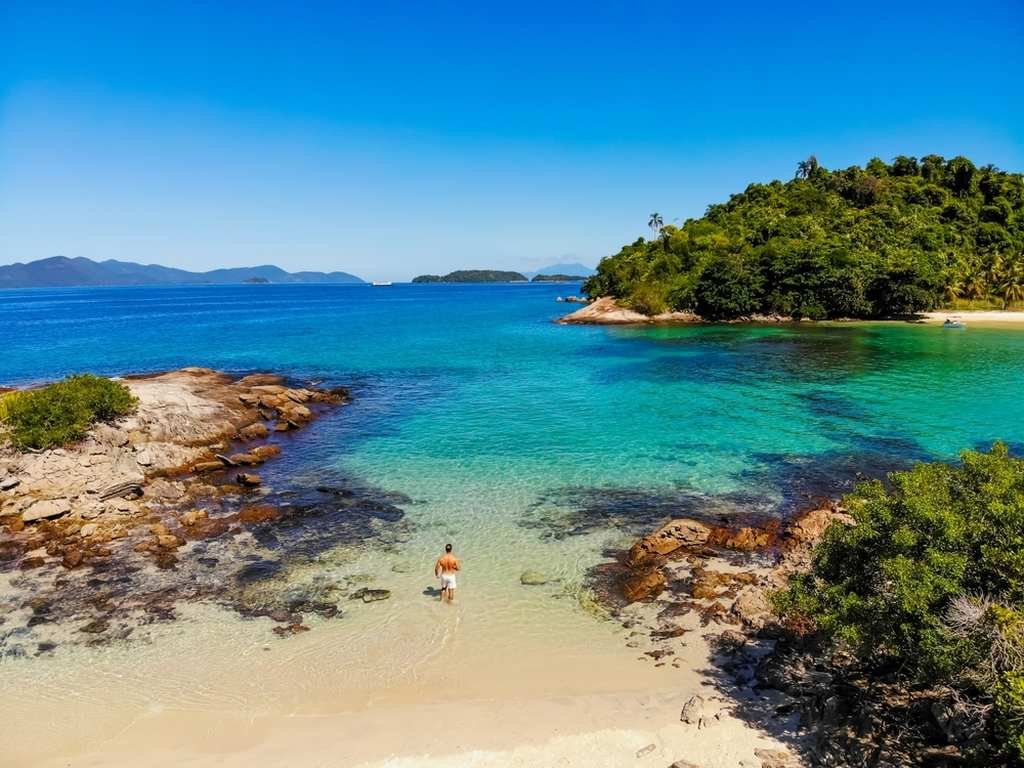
(574, 269)
(62, 271)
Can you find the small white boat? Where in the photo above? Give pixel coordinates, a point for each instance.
(954, 323)
(380, 283)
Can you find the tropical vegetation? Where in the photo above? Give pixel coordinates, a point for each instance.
(62, 412)
(888, 239)
(928, 586)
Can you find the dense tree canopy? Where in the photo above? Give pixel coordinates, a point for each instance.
(883, 240)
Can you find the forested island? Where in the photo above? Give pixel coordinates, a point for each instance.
(558, 279)
(474, 276)
(885, 240)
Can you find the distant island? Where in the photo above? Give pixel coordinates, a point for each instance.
(61, 271)
(572, 268)
(886, 240)
(558, 278)
(474, 276)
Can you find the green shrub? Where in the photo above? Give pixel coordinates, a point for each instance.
(1010, 713)
(62, 412)
(930, 581)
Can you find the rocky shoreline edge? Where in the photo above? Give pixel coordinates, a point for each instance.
(166, 505)
(698, 586)
(606, 310)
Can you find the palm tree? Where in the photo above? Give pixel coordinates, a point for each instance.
(1012, 287)
(994, 271)
(806, 168)
(655, 222)
(977, 287)
(955, 290)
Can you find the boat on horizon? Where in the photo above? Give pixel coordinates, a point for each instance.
(381, 283)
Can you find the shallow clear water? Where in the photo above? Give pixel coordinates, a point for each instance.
(527, 444)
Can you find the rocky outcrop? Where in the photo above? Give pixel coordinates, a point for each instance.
(68, 504)
(183, 419)
(607, 311)
(692, 582)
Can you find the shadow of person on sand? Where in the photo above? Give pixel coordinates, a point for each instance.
(432, 591)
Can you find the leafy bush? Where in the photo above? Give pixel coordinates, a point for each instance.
(62, 412)
(930, 580)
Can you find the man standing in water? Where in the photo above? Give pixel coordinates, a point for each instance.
(445, 567)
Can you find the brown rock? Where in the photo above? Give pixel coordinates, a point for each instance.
(248, 479)
(745, 539)
(282, 426)
(165, 560)
(264, 452)
(32, 562)
(72, 558)
(158, 529)
(703, 590)
(667, 539)
(256, 431)
(207, 466)
(256, 513)
(291, 629)
(246, 459)
(169, 541)
(811, 526)
(208, 528)
(261, 380)
(645, 585)
(14, 523)
(296, 412)
(94, 627)
(193, 516)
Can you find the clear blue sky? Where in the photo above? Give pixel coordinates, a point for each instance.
(391, 139)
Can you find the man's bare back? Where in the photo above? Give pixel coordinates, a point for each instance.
(445, 567)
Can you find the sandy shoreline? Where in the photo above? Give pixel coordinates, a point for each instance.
(980, 317)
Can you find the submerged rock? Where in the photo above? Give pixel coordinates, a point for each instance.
(533, 578)
(368, 595)
(94, 627)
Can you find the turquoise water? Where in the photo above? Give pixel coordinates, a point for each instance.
(528, 444)
(475, 387)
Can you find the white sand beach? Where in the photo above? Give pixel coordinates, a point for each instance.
(979, 317)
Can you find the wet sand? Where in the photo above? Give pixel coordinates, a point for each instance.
(578, 697)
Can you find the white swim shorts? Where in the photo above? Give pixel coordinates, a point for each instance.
(447, 581)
